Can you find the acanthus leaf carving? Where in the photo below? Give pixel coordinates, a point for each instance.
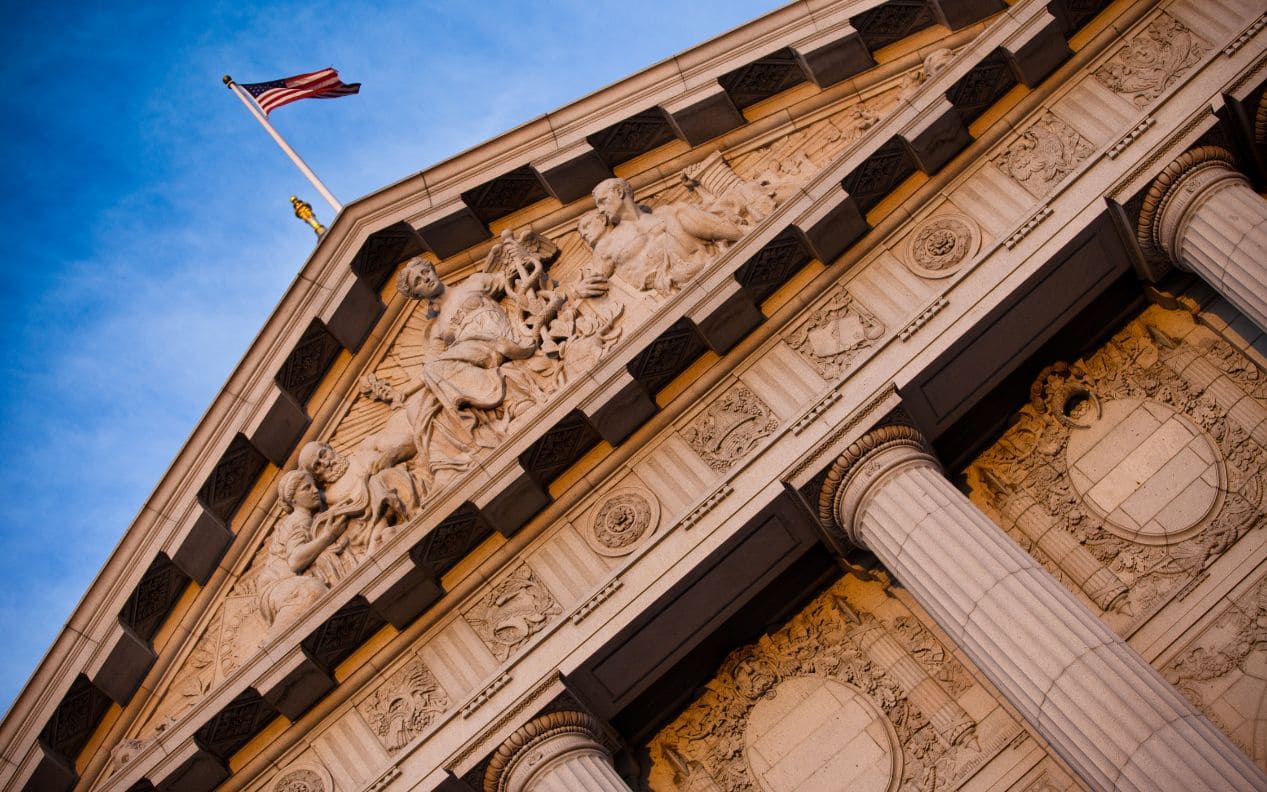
(1044, 155)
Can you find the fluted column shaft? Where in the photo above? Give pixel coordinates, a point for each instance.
(558, 752)
(1207, 218)
(1100, 706)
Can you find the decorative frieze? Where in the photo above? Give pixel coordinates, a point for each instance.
(812, 413)
(1029, 225)
(923, 318)
(512, 611)
(1044, 155)
(730, 427)
(486, 693)
(404, 705)
(835, 333)
(623, 519)
(1152, 61)
(1245, 35)
(940, 245)
(590, 605)
(707, 505)
(1131, 137)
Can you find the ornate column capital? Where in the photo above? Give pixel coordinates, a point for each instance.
(855, 472)
(537, 745)
(1177, 191)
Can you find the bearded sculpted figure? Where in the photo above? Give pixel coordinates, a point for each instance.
(657, 249)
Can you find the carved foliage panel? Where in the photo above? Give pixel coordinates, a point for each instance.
(1043, 155)
(1223, 669)
(404, 704)
(731, 427)
(1125, 475)
(512, 611)
(1153, 60)
(853, 692)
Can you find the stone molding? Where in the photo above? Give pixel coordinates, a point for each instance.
(859, 468)
(1180, 187)
(522, 752)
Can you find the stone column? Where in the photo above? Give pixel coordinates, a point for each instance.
(558, 752)
(1203, 215)
(1100, 706)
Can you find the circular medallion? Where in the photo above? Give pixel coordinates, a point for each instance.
(622, 520)
(302, 780)
(813, 734)
(1148, 471)
(941, 244)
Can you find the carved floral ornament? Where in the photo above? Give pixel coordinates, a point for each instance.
(834, 334)
(303, 779)
(623, 520)
(869, 700)
(1153, 60)
(940, 245)
(1069, 483)
(404, 705)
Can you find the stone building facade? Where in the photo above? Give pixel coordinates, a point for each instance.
(872, 398)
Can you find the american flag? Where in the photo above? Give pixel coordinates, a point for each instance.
(324, 84)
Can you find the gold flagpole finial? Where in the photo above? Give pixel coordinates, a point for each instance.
(228, 81)
(303, 210)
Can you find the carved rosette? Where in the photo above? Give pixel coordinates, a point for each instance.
(405, 704)
(622, 521)
(731, 427)
(835, 334)
(940, 245)
(512, 611)
(1153, 60)
(304, 779)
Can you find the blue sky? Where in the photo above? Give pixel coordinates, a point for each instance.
(150, 233)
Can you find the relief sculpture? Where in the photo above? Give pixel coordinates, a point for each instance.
(1071, 482)
(1154, 59)
(471, 358)
(835, 675)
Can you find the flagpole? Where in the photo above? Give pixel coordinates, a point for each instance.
(262, 117)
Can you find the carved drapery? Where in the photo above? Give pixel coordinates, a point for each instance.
(558, 752)
(1202, 213)
(1113, 719)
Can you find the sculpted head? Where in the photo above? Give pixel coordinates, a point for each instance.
(591, 227)
(324, 463)
(296, 488)
(419, 280)
(614, 198)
